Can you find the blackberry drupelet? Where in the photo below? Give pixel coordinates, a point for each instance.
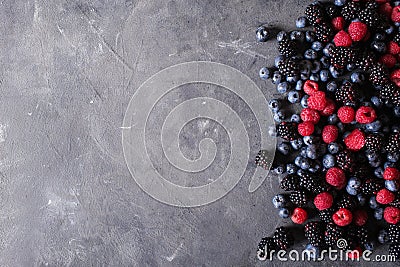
(350, 10)
(326, 215)
(347, 94)
(314, 13)
(290, 182)
(345, 160)
(396, 38)
(332, 234)
(379, 74)
(299, 198)
(262, 159)
(393, 143)
(287, 47)
(314, 232)
(283, 239)
(394, 233)
(287, 130)
(374, 142)
(288, 67)
(264, 248)
(371, 186)
(323, 32)
(347, 202)
(365, 61)
(394, 250)
(341, 56)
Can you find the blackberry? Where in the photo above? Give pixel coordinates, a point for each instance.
(287, 47)
(314, 232)
(332, 234)
(350, 10)
(362, 171)
(323, 32)
(341, 56)
(264, 248)
(314, 14)
(396, 203)
(374, 142)
(345, 160)
(310, 182)
(262, 159)
(394, 250)
(332, 11)
(283, 239)
(372, 18)
(396, 38)
(365, 61)
(394, 233)
(379, 74)
(287, 130)
(299, 198)
(326, 215)
(371, 186)
(387, 91)
(347, 202)
(347, 94)
(358, 234)
(288, 67)
(290, 182)
(393, 143)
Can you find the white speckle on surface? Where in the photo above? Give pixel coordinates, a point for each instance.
(3, 135)
(172, 257)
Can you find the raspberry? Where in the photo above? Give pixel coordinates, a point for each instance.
(329, 108)
(391, 173)
(329, 133)
(323, 201)
(342, 217)
(299, 215)
(360, 217)
(355, 253)
(395, 76)
(386, 9)
(317, 101)
(338, 23)
(342, 38)
(355, 140)
(346, 114)
(305, 128)
(310, 87)
(393, 48)
(308, 114)
(365, 115)
(357, 30)
(388, 60)
(396, 14)
(336, 177)
(384, 196)
(391, 215)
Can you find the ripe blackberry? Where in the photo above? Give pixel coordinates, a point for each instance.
(387, 92)
(358, 234)
(394, 233)
(326, 215)
(347, 202)
(323, 32)
(287, 130)
(262, 159)
(378, 74)
(341, 56)
(264, 248)
(393, 143)
(396, 203)
(374, 142)
(396, 38)
(314, 13)
(394, 250)
(371, 186)
(314, 232)
(332, 11)
(332, 234)
(350, 10)
(345, 160)
(311, 182)
(290, 182)
(365, 61)
(287, 47)
(288, 67)
(372, 18)
(283, 239)
(347, 94)
(298, 198)
(362, 171)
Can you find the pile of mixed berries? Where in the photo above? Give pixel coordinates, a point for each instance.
(338, 126)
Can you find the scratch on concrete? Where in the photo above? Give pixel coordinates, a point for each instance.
(242, 48)
(172, 257)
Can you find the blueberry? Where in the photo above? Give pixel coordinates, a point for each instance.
(333, 119)
(333, 148)
(373, 126)
(279, 60)
(304, 77)
(324, 75)
(297, 143)
(316, 66)
(378, 46)
(295, 118)
(340, 2)
(312, 252)
(305, 164)
(372, 203)
(389, 164)
(315, 167)
(310, 36)
(282, 87)
(284, 213)
(297, 36)
(328, 49)
(310, 140)
(303, 152)
(292, 79)
(262, 34)
(354, 183)
(291, 168)
(312, 152)
(280, 169)
(279, 116)
(298, 160)
(369, 246)
(299, 85)
(265, 73)
(314, 77)
(274, 105)
(281, 35)
(325, 61)
(328, 161)
(305, 66)
(378, 214)
(331, 87)
(361, 199)
(392, 185)
(383, 236)
(284, 148)
(304, 101)
(396, 111)
(310, 54)
(340, 126)
(389, 30)
(371, 155)
(379, 37)
(351, 66)
(276, 77)
(375, 163)
(293, 97)
(301, 22)
(393, 157)
(376, 101)
(279, 201)
(335, 72)
(378, 172)
(351, 191)
(357, 77)
(317, 46)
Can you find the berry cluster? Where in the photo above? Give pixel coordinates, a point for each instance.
(340, 168)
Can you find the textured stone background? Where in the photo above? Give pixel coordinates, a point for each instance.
(67, 72)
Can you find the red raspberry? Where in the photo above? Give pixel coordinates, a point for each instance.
(395, 77)
(329, 133)
(360, 217)
(329, 108)
(391, 173)
(393, 48)
(336, 177)
(355, 140)
(346, 114)
(299, 215)
(305, 128)
(396, 14)
(388, 60)
(342, 38)
(355, 253)
(365, 115)
(384, 196)
(357, 31)
(338, 23)
(342, 217)
(386, 9)
(308, 114)
(317, 101)
(391, 215)
(323, 201)
(310, 87)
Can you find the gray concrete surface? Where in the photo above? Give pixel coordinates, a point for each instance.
(67, 72)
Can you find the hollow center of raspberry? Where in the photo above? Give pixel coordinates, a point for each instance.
(367, 114)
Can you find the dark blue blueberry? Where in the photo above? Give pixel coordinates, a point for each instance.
(372, 203)
(369, 246)
(376, 101)
(317, 46)
(378, 172)
(305, 164)
(333, 148)
(392, 185)
(310, 54)
(335, 72)
(282, 87)
(298, 160)
(389, 30)
(383, 236)
(361, 199)
(314, 77)
(305, 66)
(299, 85)
(393, 157)
(293, 97)
(351, 66)
(284, 148)
(303, 152)
(324, 75)
(379, 37)
(375, 163)
(279, 116)
(371, 155)
(312, 152)
(333, 119)
(328, 161)
(295, 118)
(395, 128)
(396, 111)
(316, 66)
(325, 61)
(279, 201)
(310, 36)
(276, 77)
(315, 167)
(389, 164)
(284, 213)
(354, 182)
(265, 73)
(297, 143)
(262, 34)
(373, 126)
(310, 140)
(340, 126)
(379, 47)
(331, 86)
(301, 22)
(378, 214)
(278, 60)
(274, 105)
(291, 168)
(280, 169)
(304, 101)
(340, 2)
(281, 35)
(357, 77)
(328, 49)
(304, 77)
(351, 191)
(312, 252)
(297, 36)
